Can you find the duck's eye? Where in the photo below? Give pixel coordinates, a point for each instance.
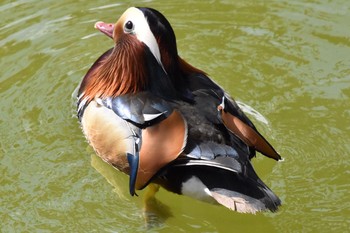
(129, 26)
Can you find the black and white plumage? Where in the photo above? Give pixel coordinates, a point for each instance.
(155, 117)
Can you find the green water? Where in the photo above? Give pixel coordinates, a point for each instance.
(289, 60)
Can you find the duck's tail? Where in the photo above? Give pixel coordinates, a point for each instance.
(235, 186)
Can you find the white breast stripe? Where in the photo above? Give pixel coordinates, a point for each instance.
(149, 117)
(82, 102)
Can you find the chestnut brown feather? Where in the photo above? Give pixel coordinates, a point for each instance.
(122, 72)
(188, 69)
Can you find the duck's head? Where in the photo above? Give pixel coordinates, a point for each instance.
(144, 56)
(146, 27)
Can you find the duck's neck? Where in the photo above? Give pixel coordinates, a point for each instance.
(122, 72)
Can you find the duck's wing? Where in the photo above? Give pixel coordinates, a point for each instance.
(157, 132)
(142, 109)
(230, 115)
(250, 135)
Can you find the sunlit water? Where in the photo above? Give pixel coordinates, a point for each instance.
(288, 62)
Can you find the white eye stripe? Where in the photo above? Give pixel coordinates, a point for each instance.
(143, 32)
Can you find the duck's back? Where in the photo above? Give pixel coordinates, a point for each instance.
(215, 164)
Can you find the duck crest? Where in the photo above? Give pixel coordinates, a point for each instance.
(121, 72)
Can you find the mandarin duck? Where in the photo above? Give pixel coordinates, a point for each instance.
(150, 114)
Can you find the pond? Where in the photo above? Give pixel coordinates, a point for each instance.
(288, 62)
